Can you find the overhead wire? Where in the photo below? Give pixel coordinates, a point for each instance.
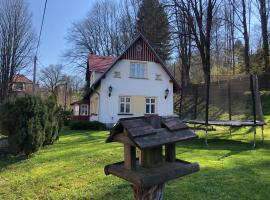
(41, 27)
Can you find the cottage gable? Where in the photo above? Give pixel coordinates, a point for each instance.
(140, 51)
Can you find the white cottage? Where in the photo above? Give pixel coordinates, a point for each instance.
(134, 84)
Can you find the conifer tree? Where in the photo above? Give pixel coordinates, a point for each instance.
(153, 23)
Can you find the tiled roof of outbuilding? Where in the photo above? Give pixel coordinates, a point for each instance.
(19, 78)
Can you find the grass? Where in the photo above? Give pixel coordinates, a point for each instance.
(73, 168)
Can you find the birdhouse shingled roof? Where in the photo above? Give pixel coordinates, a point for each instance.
(140, 132)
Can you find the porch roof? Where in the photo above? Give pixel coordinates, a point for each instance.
(82, 101)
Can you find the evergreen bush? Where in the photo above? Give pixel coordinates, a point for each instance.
(66, 115)
(30, 123)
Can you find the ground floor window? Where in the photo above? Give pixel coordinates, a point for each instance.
(150, 105)
(84, 109)
(18, 86)
(124, 105)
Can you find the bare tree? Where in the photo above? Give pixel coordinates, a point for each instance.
(184, 39)
(264, 32)
(107, 30)
(246, 36)
(16, 42)
(51, 77)
(199, 16)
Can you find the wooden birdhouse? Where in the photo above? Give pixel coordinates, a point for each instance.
(155, 138)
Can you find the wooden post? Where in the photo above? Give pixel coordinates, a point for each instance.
(155, 192)
(170, 152)
(230, 104)
(196, 102)
(130, 156)
(229, 101)
(151, 157)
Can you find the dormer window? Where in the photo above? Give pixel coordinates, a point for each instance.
(138, 70)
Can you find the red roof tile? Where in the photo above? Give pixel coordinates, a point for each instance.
(99, 63)
(19, 78)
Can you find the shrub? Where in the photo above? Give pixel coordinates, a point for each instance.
(53, 121)
(86, 125)
(66, 117)
(29, 122)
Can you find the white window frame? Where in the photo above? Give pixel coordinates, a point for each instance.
(150, 105)
(135, 70)
(125, 103)
(84, 110)
(17, 88)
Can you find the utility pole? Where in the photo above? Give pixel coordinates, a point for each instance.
(34, 75)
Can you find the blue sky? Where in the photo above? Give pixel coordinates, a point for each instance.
(60, 15)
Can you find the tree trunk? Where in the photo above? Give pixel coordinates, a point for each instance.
(263, 16)
(151, 193)
(246, 38)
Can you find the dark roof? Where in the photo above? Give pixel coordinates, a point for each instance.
(99, 63)
(141, 132)
(82, 101)
(19, 78)
(140, 36)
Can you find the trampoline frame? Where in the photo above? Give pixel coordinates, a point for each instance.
(231, 123)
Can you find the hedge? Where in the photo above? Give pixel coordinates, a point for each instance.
(87, 125)
(30, 123)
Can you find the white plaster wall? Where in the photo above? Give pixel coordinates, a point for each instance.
(94, 76)
(109, 106)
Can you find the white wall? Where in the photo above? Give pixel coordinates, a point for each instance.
(94, 76)
(109, 106)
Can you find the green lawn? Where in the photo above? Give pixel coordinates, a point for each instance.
(73, 169)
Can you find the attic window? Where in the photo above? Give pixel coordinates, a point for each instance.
(117, 74)
(138, 70)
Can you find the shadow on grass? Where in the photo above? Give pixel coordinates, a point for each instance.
(7, 160)
(233, 146)
(120, 192)
(237, 182)
(68, 146)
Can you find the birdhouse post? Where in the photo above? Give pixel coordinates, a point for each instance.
(155, 138)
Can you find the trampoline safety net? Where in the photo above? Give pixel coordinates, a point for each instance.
(230, 98)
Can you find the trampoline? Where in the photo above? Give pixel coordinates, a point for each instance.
(232, 101)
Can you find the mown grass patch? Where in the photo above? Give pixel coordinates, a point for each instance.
(73, 169)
